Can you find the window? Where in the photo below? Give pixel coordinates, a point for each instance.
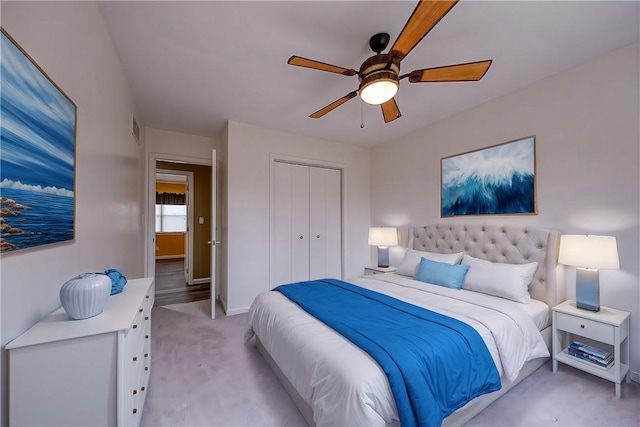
(171, 218)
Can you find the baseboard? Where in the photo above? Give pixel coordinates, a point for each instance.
(635, 376)
(201, 281)
(237, 311)
(169, 257)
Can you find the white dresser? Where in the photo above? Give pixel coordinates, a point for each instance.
(91, 372)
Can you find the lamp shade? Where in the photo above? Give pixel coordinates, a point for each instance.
(383, 236)
(587, 251)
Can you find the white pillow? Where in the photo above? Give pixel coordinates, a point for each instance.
(409, 264)
(510, 281)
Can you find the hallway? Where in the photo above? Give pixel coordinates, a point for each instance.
(171, 287)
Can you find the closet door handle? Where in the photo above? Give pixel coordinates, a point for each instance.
(317, 236)
(300, 237)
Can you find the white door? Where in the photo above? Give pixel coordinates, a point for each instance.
(325, 223)
(306, 223)
(299, 223)
(188, 272)
(214, 232)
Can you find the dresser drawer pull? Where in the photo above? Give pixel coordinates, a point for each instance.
(140, 310)
(147, 297)
(142, 388)
(135, 358)
(146, 368)
(135, 391)
(146, 337)
(146, 355)
(135, 326)
(581, 326)
(146, 317)
(135, 410)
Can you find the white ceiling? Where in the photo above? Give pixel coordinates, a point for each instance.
(194, 65)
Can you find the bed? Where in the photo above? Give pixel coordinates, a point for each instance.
(334, 382)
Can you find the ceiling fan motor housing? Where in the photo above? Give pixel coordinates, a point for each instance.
(378, 68)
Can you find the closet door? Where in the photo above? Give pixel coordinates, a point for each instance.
(299, 223)
(306, 223)
(289, 257)
(325, 223)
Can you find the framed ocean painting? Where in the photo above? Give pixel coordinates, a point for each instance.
(496, 180)
(37, 154)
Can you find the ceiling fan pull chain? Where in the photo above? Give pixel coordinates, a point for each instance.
(361, 114)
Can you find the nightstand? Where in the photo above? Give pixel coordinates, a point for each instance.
(370, 271)
(607, 326)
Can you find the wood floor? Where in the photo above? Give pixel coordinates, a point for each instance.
(171, 287)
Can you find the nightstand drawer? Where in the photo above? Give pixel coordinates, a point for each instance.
(586, 328)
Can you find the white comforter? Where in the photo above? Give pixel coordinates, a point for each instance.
(343, 384)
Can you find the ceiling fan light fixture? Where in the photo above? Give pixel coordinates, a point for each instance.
(379, 87)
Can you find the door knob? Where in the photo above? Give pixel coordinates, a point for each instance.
(216, 242)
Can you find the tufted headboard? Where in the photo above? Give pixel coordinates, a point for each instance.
(514, 244)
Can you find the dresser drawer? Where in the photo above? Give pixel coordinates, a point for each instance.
(586, 328)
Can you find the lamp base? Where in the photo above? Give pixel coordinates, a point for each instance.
(383, 256)
(587, 289)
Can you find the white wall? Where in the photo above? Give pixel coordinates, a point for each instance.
(179, 144)
(587, 127)
(70, 42)
(249, 151)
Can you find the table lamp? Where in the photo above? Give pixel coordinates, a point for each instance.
(588, 253)
(383, 237)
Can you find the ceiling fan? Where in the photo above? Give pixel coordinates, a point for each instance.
(380, 75)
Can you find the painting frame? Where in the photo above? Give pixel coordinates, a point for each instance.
(38, 143)
(496, 180)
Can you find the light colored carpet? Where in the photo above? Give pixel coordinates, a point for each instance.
(204, 375)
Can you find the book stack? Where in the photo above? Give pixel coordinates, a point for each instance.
(593, 355)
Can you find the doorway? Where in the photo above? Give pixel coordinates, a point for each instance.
(195, 283)
(174, 238)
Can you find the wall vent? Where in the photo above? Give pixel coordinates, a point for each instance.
(135, 129)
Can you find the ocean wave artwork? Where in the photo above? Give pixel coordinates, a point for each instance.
(495, 180)
(37, 154)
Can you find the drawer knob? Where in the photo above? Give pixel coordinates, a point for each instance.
(146, 317)
(135, 326)
(142, 388)
(146, 355)
(146, 337)
(147, 297)
(140, 310)
(146, 368)
(135, 391)
(135, 410)
(135, 358)
(581, 326)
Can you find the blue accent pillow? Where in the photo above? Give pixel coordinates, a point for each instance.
(441, 274)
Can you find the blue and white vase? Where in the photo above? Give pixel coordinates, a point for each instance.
(86, 295)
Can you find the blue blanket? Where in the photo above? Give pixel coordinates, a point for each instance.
(434, 364)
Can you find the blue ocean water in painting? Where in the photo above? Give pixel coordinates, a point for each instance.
(498, 180)
(49, 220)
(37, 153)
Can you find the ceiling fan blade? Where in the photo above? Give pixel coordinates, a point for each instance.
(390, 111)
(317, 65)
(472, 71)
(321, 112)
(424, 17)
